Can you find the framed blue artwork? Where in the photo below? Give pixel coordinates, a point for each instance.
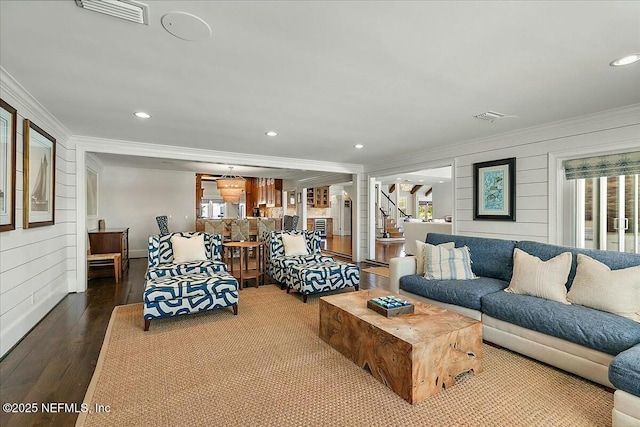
(494, 190)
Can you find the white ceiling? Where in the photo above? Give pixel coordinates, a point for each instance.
(398, 77)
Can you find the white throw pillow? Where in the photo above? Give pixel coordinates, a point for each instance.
(543, 279)
(613, 291)
(187, 249)
(421, 254)
(447, 264)
(294, 244)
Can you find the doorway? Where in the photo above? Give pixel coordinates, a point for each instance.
(607, 213)
(408, 197)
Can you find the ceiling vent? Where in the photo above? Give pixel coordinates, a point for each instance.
(125, 9)
(492, 116)
(489, 116)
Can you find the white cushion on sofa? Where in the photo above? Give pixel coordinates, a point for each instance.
(447, 264)
(613, 291)
(294, 244)
(186, 249)
(543, 279)
(421, 254)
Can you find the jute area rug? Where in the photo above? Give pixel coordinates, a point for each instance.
(267, 367)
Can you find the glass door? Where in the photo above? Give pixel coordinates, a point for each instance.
(608, 213)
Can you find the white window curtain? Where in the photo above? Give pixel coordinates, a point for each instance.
(598, 166)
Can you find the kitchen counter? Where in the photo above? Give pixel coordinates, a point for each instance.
(203, 224)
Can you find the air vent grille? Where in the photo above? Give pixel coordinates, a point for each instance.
(490, 116)
(124, 9)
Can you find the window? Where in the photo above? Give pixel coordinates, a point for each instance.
(608, 213)
(425, 210)
(606, 201)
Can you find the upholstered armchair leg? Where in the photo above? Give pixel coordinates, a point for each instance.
(288, 289)
(356, 287)
(235, 310)
(147, 322)
(304, 298)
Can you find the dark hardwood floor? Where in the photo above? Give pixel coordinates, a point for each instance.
(383, 253)
(56, 360)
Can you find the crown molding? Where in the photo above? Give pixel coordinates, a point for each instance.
(596, 122)
(132, 148)
(29, 107)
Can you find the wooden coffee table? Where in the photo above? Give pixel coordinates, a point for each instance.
(415, 355)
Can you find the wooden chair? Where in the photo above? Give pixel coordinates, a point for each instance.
(102, 260)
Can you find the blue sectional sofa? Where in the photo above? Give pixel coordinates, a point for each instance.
(575, 338)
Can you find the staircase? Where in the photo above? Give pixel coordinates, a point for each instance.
(389, 230)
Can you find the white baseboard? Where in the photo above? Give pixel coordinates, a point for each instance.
(138, 253)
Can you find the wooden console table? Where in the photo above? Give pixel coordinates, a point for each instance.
(110, 240)
(245, 272)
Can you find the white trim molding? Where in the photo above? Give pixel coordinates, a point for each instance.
(560, 189)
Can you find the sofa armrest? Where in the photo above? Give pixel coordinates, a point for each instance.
(398, 267)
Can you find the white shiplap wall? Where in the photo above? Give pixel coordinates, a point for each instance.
(534, 149)
(37, 265)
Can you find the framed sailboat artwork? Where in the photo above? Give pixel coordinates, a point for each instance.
(39, 176)
(8, 116)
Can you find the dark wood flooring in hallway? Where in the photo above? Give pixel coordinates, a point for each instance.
(56, 360)
(383, 253)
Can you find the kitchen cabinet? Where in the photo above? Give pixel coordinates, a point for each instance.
(266, 192)
(274, 193)
(318, 197)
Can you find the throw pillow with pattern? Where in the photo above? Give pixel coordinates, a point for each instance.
(448, 264)
(421, 254)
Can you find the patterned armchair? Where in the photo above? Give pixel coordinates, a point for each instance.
(278, 264)
(160, 261)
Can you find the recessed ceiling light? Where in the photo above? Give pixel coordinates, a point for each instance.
(440, 182)
(398, 179)
(422, 180)
(359, 146)
(271, 133)
(626, 60)
(141, 114)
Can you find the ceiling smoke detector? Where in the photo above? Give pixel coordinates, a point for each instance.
(129, 10)
(492, 116)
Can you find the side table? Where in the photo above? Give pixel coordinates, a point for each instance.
(245, 272)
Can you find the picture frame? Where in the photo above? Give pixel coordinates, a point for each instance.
(494, 190)
(92, 193)
(8, 120)
(39, 171)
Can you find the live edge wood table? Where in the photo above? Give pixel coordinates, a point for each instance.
(415, 355)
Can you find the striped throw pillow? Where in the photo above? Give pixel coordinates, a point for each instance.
(448, 264)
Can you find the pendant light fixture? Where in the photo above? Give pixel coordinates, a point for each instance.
(231, 186)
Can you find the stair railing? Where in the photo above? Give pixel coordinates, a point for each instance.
(402, 213)
(385, 215)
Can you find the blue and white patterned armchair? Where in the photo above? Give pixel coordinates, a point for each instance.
(278, 263)
(161, 264)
